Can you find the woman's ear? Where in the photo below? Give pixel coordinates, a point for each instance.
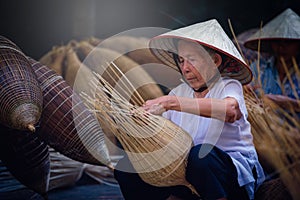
(217, 59)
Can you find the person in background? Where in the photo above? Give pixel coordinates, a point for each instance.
(248, 54)
(209, 105)
(278, 77)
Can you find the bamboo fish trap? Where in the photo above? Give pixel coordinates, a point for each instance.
(135, 48)
(21, 97)
(66, 123)
(75, 61)
(78, 57)
(276, 139)
(26, 157)
(156, 147)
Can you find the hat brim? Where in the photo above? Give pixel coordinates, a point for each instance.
(283, 27)
(265, 43)
(163, 48)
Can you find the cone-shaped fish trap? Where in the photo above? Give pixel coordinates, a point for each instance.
(157, 148)
(67, 125)
(276, 138)
(21, 96)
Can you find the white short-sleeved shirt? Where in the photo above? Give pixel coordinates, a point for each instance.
(233, 138)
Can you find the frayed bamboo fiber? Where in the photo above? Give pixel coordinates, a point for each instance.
(157, 148)
(26, 157)
(276, 138)
(66, 123)
(95, 58)
(21, 96)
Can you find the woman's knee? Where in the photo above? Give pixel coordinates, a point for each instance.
(200, 157)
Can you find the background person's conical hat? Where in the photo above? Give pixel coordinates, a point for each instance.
(209, 34)
(286, 26)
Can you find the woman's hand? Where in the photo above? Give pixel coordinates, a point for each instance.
(223, 109)
(159, 105)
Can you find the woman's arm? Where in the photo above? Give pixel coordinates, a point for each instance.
(223, 109)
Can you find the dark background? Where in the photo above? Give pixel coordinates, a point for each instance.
(38, 25)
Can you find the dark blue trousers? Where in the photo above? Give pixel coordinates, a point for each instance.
(210, 170)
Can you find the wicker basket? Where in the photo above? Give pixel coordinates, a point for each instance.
(21, 97)
(156, 147)
(66, 123)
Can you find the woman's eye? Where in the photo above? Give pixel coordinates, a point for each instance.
(181, 60)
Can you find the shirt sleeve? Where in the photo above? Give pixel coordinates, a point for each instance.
(234, 89)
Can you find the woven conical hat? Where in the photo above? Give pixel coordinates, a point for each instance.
(209, 34)
(286, 26)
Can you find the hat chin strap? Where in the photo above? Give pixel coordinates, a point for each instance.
(208, 83)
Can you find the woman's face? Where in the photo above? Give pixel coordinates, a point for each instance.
(196, 64)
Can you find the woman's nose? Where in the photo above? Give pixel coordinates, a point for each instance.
(185, 66)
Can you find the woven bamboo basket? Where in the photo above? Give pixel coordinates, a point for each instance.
(66, 123)
(70, 61)
(55, 58)
(26, 157)
(21, 96)
(157, 148)
(77, 75)
(277, 140)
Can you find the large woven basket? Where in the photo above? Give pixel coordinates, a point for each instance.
(156, 147)
(21, 96)
(66, 123)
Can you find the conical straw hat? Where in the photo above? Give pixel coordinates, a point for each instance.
(286, 26)
(209, 34)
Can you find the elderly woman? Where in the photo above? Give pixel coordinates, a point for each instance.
(209, 105)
